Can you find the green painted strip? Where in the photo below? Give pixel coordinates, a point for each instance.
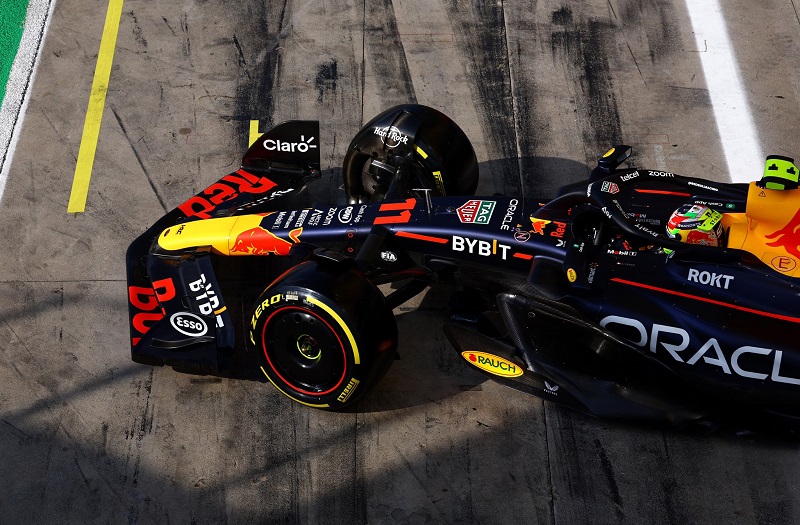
(12, 22)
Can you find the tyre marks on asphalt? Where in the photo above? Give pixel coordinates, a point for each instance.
(480, 31)
(581, 48)
(386, 77)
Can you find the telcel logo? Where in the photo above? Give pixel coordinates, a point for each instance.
(279, 145)
(189, 324)
(492, 364)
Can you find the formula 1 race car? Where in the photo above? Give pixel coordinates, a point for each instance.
(584, 301)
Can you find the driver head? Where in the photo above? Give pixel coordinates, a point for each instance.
(696, 224)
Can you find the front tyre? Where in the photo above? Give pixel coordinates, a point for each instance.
(324, 334)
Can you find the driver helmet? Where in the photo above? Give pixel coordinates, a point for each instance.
(696, 224)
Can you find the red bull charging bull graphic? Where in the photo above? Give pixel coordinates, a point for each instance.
(259, 241)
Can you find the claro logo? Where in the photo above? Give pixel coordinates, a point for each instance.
(752, 362)
(188, 324)
(290, 147)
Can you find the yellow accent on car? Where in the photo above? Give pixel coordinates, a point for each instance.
(422, 153)
(339, 320)
(215, 233)
(493, 364)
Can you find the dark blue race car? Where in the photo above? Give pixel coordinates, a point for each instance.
(585, 300)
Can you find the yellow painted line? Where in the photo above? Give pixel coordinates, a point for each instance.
(254, 133)
(94, 113)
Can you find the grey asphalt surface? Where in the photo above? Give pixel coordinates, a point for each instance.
(541, 88)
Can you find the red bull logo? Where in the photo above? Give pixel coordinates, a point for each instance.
(538, 225)
(260, 241)
(788, 237)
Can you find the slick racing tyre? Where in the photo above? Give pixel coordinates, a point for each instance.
(443, 159)
(323, 334)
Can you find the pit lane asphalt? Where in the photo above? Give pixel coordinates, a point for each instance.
(541, 89)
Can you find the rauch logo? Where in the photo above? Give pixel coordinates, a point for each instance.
(492, 364)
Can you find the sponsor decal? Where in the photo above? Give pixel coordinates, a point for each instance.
(788, 237)
(264, 304)
(783, 264)
(228, 188)
(180, 229)
(388, 256)
(316, 217)
(718, 280)
(629, 176)
(290, 147)
(551, 388)
(645, 229)
(538, 225)
(508, 218)
(480, 247)
(345, 215)
(301, 218)
(522, 236)
(207, 299)
(360, 215)
(704, 186)
(492, 364)
(329, 216)
(676, 341)
(609, 187)
(660, 174)
(572, 275)
(626, 253)
(391, 136)
(476, 211)
(189, 324)
(709, 203)
(348, 390)
(260, 241)
(592, 270)
(145, 302)
(437, 177)
(561, 227)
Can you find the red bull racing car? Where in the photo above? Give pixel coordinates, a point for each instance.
(585, 300)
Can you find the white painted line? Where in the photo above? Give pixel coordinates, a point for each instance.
(734, 122)
(20, 79)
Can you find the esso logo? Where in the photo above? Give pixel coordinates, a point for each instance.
(188, 324)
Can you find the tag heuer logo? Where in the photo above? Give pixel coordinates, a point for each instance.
(476, 211)
(610, 187)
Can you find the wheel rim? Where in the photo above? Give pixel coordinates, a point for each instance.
(304, 351)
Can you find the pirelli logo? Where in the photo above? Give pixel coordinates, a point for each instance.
(348, 390)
